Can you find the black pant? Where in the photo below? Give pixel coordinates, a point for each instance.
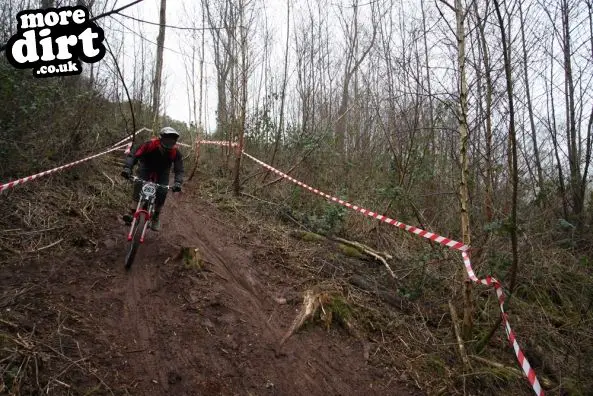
(160, 178)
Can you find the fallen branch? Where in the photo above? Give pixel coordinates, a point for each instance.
(62, 383)
(544, 380)
(8, 323)
(367, 250)
(246, 178)
(31, 232)
(46, 247)
(288, 216)
(362, 247)
(259, 199)
(359, 247)
(9, 249)
(110, 179)
(280, 177)
(75, 363)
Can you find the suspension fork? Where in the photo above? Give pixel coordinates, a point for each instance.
(139, 208)
(149, 213)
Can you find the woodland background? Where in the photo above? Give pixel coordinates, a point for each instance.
(472, 119)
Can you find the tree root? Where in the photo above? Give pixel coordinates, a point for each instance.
(312, 300)
(331, 308)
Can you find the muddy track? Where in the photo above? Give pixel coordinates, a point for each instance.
(163, 329)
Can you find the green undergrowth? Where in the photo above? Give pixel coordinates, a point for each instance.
(550, 311)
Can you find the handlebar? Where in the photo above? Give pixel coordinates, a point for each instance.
(136, 178)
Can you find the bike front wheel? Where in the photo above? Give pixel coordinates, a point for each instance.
(135, 242)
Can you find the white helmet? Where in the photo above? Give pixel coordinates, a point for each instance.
(168, 131)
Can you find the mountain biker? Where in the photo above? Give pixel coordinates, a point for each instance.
(155, 157)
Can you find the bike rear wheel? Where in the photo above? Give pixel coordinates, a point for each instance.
(135, 242)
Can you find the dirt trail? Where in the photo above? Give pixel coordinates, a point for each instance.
(163, 329)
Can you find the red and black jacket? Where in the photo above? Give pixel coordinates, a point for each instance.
(154, 159)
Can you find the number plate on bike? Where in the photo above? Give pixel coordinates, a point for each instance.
(149, 189)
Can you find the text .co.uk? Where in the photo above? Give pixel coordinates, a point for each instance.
(53, 41)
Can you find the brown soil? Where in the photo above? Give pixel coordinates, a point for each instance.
(166, 329)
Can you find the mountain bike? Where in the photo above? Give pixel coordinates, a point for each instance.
(142, 216)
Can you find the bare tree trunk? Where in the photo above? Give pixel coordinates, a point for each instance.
(513, 140)
(156, 85)
(222, 42)
(193, 87)
(283, 98)
(243, 109)
(574, 160)
(430, 98)
(551, 113)
(589, 139)
(351, 66)
(200, 125)
(190, 80)
(482, 43)
(463, 187)
(538, 164)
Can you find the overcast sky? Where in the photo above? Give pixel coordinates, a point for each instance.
(273, 13)
(179, 13)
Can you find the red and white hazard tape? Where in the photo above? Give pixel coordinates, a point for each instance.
(426, 234)
(128, 147)
(125, 147)
(12, 184)
(130, 136)
(464, 249)
(523, 362)
(217, 142)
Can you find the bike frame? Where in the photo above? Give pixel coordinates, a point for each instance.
(146, 203)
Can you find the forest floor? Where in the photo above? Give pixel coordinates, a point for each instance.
(73, 321)
(210, 304)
